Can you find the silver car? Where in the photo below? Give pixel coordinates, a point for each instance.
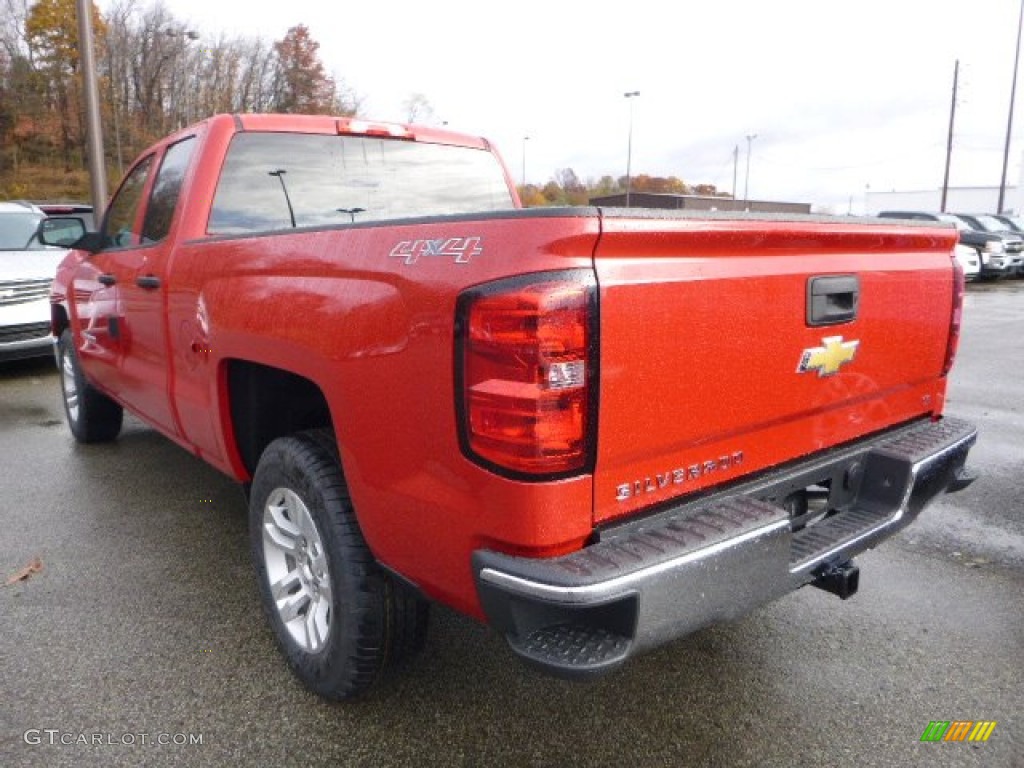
(26, 270)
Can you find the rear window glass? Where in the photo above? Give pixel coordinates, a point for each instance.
(274, 181)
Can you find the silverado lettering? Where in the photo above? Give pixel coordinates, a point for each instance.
(461, 434)
(660, 481)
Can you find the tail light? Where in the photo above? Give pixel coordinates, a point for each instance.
(525, 374)
(956, 315)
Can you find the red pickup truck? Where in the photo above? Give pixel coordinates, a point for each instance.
(594, 429)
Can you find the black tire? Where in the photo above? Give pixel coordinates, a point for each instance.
(407, 614)
(338, 617)
(92, 416)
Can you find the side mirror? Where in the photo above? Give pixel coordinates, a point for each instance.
(61, 232)
(68, 232)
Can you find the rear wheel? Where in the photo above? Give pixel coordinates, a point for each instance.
(92, 416)
(337, 616)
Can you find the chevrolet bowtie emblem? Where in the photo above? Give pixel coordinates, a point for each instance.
(827, 359)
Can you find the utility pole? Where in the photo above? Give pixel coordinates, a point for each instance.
(525, 139)
(949, 140)
(94, 128)
(735, 168)
(629, 147)
(746, 184)
(1009, 120)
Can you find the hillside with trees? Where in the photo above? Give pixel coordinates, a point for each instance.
(566, 188)
(156, 74)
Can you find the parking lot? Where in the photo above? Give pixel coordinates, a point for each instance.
(141, 639)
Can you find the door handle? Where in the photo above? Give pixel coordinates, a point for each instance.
(832, 299)
(107, 279)
(149, 282)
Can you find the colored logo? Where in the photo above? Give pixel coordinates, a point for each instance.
(958, 730)
(829, 358)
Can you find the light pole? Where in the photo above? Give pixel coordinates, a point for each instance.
(1009, 120)
(746, 183)
(629, 146)
(291, 211)
(525, 139)
(97, 162)
(351, 212)
(949, 138)
(735, 168)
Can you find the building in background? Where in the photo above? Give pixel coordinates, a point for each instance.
(697, 203)
(958, 199)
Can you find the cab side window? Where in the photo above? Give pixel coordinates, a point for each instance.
(120, 229)
(166, 190)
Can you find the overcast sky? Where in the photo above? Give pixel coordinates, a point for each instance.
(841, 95)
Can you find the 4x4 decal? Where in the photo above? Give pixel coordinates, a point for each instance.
(460, 249)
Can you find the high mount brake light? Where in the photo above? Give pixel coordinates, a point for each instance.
(956, 316)
(355, 127)
(525, 374)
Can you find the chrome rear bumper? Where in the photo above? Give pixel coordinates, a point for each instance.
(670, 573)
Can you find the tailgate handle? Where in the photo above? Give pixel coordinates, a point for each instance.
(832, 299)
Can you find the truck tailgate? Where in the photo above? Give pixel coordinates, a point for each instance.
(726, 345)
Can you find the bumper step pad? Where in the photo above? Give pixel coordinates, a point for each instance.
(902, 475)
(573, 645)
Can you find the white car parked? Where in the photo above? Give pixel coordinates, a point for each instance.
(26, 270)
(969, 260)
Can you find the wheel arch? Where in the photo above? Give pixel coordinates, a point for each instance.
(265, 403)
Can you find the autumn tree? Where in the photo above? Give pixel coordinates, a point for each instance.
(657, 185)
(565, 188)
(156, 74)
(606, 185)
(51, 33)
(574, 192)
(301, 85)
(553, 193)
(531, 197)
(708, 190)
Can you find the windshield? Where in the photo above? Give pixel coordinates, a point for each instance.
(954, 220)
(1013, 223)
(17, 231)
(991, 223)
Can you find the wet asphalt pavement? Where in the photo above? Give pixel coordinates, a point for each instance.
(144, 626)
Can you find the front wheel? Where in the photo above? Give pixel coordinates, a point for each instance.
(337, 616)
(92, 416)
